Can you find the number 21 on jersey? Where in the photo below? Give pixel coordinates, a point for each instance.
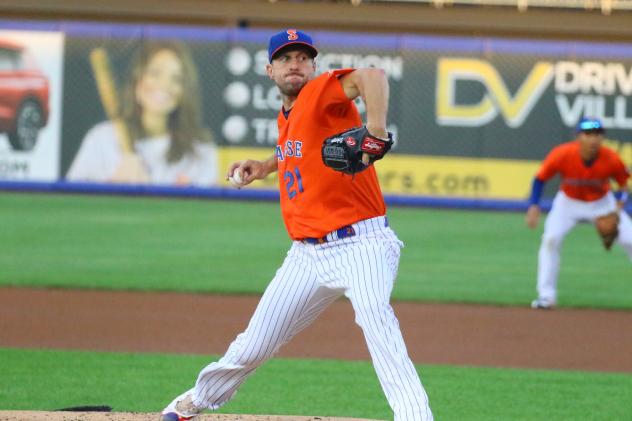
(293, 182)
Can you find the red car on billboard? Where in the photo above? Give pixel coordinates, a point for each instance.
(23, 96)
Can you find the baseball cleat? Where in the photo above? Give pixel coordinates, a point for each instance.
(181, 408)
(542, 304)
(172, 416)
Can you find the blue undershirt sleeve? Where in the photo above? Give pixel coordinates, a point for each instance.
(536, 191)
(621, 195)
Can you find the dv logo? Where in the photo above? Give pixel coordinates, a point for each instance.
(496, 99)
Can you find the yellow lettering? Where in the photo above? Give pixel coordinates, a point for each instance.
(449, 71)
(514, 109)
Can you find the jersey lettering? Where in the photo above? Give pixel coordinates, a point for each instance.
(290, 179)
(279, 153)
(290, 148)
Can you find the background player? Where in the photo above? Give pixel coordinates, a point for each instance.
(342, 244)
(586, 168)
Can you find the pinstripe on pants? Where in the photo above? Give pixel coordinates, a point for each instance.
(363, 268)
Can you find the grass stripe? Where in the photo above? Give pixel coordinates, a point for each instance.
(235, 247)
(47, 380)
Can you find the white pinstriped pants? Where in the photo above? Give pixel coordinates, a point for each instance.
(363, 268)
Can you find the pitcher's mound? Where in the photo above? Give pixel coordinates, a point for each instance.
(131, 416)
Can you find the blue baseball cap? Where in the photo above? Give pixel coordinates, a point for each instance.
(290, 37)
(588, 124)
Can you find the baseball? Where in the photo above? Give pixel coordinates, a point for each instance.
(236, 178)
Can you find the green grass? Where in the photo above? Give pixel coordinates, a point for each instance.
(48, 380)
(235, 247)
(491, 258)
(209, 246)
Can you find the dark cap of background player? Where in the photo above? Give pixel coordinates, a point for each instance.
(590, 125)
(290, 37)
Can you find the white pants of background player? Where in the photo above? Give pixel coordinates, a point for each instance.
(564, 215)
(363, 268)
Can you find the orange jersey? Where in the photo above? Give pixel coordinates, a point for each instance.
(581, 181)
(315, 199)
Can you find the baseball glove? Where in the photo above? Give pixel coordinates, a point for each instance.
(608, 228)
(343, 151)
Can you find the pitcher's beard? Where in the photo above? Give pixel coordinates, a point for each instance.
(291, 89)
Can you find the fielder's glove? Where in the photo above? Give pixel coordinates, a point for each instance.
(343, 151)
(608, 228)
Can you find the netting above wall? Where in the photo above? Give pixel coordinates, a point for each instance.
(606, 6)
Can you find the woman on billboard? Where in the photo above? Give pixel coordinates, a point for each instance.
(158, 136)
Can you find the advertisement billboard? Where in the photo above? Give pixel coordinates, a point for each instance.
(31, 66)
(173, 106)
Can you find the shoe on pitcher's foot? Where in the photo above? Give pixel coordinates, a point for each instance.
(542, 304)
(181, 408)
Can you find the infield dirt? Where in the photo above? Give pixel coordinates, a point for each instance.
(455, 334)
(435, 334)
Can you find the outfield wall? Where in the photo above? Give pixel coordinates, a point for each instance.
(473, 116)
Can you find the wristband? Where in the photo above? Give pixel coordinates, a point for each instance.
(621, 196)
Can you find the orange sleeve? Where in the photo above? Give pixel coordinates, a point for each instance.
(620, 173)
(551, 165)
(336, 100)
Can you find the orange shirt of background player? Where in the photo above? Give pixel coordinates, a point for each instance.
(315, 199)
(581, 181)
